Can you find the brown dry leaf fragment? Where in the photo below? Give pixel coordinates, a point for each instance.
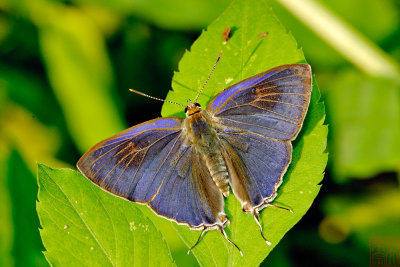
(227, 34)
(262, 35)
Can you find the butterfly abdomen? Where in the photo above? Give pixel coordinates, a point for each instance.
(217, 167)
(203, 136)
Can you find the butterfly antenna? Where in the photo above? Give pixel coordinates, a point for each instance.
(255, 213)
(198, 240)
(215, 64)
(226, 237)
(155, 98)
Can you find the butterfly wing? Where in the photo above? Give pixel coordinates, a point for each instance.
(272, 103)
(258, 118)
(256, 165)
(194, 199)
(150, 164)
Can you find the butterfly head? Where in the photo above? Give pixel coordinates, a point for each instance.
(192, 108)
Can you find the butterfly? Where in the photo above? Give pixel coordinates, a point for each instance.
(183, 168)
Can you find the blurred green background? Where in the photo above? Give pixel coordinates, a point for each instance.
(65, 70)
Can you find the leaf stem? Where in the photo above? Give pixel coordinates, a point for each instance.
(358, 49)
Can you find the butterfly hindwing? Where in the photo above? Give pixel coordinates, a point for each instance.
(272, 103)
(149, 163)
(194, 199)
(256, 168)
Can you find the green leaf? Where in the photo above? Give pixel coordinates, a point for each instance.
(365, 112)
(86, 226)
(246, 54)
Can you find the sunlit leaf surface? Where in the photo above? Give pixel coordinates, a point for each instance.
(85, 226)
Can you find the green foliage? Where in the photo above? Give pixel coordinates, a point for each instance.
(172, 14)
(365, 116)
(80, 73)
(26, 89)
(26, 245)
(383, 13)
(6, 223)
(85, 226)
(65, 65)
(364, 217)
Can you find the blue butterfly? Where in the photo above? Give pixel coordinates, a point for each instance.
(183, 168)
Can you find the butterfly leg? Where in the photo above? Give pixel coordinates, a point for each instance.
(273, 205)
(221, 229)
(198, 240)
(257, 219)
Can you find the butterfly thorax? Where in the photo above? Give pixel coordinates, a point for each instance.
(203, 136)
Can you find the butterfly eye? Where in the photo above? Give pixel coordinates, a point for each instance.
(186, 109)
(197, 104)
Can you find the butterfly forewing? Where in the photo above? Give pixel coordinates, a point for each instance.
(272, 103)
(132, 158)
(149, 163)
